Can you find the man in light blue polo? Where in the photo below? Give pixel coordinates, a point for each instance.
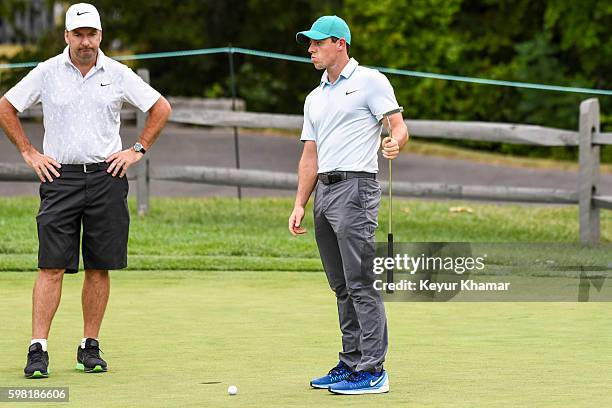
(341, 135)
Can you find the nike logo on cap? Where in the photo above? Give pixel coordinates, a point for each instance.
(350, 92)
(81, 13)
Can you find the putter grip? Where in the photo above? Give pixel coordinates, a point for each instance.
(389, 255)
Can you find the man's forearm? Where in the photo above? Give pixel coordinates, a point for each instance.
(11, 125)
(158, 116)
(400, 133)
(307, 180)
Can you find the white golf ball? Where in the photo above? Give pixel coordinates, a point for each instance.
(232, 390)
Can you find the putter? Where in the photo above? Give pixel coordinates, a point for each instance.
(390, 230)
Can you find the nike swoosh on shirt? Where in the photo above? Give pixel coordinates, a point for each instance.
(350, 92)
(106, 84)
(84, 12)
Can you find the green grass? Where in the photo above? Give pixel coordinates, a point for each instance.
(229, 310)
(224, 234)
(167, 333)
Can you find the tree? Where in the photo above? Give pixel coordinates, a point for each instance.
(548, 41)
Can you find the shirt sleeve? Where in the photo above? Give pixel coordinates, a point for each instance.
(27, 92)
(381, 98)
(308, 132)
(138, 92)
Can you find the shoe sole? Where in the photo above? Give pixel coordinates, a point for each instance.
(96, 369)
(378, 390)
(321, 387)
(381, 390)
(38, 374)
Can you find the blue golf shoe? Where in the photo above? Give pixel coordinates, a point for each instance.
(336, 374)
(362, 382)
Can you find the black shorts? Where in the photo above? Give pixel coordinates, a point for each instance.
(94, 199)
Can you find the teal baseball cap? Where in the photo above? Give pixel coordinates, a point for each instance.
(325, 27)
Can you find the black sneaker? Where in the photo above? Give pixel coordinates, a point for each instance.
(88, 358)
(38, 362)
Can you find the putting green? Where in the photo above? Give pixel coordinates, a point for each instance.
(181, 338)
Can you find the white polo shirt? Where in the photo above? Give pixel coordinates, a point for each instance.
(344, 118)
(81, 114)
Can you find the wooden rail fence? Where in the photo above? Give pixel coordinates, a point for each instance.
(587, 138)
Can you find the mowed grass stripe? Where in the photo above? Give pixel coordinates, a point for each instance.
(167, 332)
(209, 233)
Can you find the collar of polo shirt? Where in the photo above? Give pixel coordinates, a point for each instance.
(99, 60)
(346, 72)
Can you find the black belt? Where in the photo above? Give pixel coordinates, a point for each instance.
(337, 176)
(85, 168)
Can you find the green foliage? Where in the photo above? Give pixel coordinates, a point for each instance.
(8, 10)
(271, 26)
(562, 42)
(214, 91)
(551, 42)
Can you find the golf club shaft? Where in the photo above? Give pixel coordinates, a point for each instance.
(390, 199)
(389, 255)
(390, 231)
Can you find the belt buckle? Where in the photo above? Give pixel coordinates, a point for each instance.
(325, 178)
(335, 178)
(85, 169)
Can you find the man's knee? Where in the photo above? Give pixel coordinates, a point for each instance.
(96, 274)
(51, 275)
(340, 290)
(362, 291)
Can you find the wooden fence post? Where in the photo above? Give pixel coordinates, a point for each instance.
(143, 178)
(588, 177)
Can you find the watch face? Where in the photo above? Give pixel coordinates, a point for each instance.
(138, 147)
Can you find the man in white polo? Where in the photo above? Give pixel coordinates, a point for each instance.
(341, 135)
(82, 171)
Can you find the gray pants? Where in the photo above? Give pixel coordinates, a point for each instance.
(346, 217)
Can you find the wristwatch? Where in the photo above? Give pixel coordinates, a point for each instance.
(138, 148)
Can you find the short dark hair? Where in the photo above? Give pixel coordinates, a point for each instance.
(348, 47)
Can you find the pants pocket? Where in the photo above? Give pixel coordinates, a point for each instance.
(369, 193)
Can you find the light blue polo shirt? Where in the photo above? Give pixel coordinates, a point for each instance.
(344, 118)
